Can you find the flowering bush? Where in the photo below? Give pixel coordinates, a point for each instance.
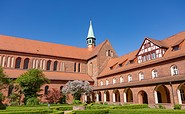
(77, 88)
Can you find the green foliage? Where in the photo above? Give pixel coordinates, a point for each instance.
(30, 83)
(15, 99)
(63, 108)
(4, 80)
(177, 107)
(77, 102)
(91, 111)
(62, 100)
(161, 107)
(32, 101)
(1, 97)
(2, 106)
(105, 103)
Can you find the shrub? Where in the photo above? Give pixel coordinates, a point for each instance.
(105, 103)
(32, 101)
(161, 107)
(91, 112)
(177, 106)
(2, 106)
(101, 102)
(62, 100)
(77, 102)
(14, 103)
(63, 108)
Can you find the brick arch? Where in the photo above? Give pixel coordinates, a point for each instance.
(107, 95)
(142, 97)
(162, 94)
(181, 93)
(128, 95)
(116, 94)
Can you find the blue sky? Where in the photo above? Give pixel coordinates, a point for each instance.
(124, 22)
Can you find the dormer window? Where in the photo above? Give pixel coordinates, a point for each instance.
(175, 48)
(131, 61)
(120, 65)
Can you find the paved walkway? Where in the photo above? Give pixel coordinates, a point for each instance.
(66, 112)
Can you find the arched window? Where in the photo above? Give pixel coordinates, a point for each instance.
(26, 63)
(79, 67)
(18, 62)
(74, 67)
(114, 80)
(129, 78)
(46, 90)
(121, 79)
(174, 70)
(154, 73)
(107, 82)
(48, 65)
(55, 66)
(101, 83)
(141, 76)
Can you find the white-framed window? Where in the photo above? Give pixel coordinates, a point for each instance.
(114, 80)
(121, 79)
(101, 83)
(174, 70)
(107, 82)
(129, 78)
(141, 76)
(154, 73)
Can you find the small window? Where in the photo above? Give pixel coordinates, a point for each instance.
(175, 48)
(48, 65)
(114, 80)
(107, 82)
(153, 55)
(174, 70)
(101, 83)
(129, 78)
(121, 79)
(55, 66)
(131, 61)
(141, 76)
(79, 67)
(154, 74)
(18, 63)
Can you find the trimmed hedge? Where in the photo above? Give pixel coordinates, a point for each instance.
(63, 108)
(145, 111)
(90, 112)
(27, 112)
(132, 106)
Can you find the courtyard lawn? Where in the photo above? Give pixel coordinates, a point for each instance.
(90, 109)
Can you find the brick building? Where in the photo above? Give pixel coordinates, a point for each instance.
(153, 74)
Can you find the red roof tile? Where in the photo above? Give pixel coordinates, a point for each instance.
(14, 73)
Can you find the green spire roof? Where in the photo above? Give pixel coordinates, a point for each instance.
(90, 32)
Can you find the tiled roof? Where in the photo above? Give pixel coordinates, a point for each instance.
(38, 47)
(14, 73)
(159, 80)
(169, 54)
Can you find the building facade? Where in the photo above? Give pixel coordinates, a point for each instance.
(154, 74)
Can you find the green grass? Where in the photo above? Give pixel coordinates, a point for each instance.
(94, 109)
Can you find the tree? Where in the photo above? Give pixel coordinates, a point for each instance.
(30, 83)
(4, 82)
(77, 88)
(53, 96)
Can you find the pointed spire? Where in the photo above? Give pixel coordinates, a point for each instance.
(90, 32)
